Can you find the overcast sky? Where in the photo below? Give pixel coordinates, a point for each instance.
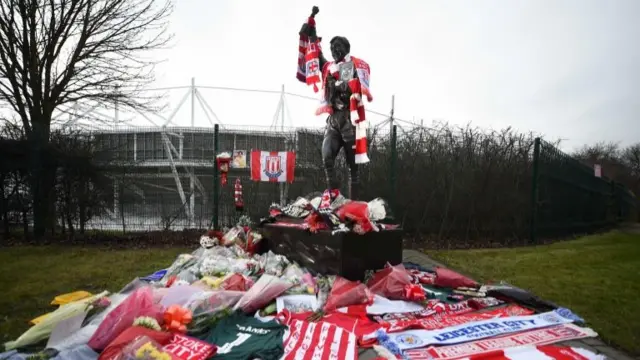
(567, 69)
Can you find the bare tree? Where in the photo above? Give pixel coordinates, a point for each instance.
(630, 156)
(56, 52)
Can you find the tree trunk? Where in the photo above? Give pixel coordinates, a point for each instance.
(63, 226)
(70, 223)
(25, 224)
(53, 218)
(5, 222)
(4, 212)
(82, 206)
(83, 218)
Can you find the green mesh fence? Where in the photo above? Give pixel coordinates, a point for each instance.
(448, 187)
(572, 200)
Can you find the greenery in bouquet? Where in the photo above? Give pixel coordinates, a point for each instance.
(368, 274)
(45, 354)
(245, 220)
(203, 322)
(325, 283)
(147, 322)
(270, 309)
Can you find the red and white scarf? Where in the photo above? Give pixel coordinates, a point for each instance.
(237, 195)
(359, 88)
(308, 59)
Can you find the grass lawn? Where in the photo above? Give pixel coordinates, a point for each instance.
(598, 277)
(31, 277)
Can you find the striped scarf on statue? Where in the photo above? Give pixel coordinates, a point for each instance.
(308, 58)
(359, 88)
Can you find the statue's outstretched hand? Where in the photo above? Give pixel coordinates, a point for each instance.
(314, 11)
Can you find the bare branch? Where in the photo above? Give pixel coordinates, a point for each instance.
(55, 52)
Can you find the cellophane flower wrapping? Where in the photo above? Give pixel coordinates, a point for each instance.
(139, 303)
(267, 288)
(218, 265)
(253, 241)
(209, 309)
(390, 282)
(145, 348)
(182, 262)
(451, 279)
(346, 293)
(235, 235)
(272, 264)
(43, 329)
(179, 295)
(236, 282)
(220, 251)
(324, 284)
(301, 284)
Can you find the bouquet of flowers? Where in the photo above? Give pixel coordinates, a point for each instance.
(209, 310)
(272, 264)
(395, 283)
(236, 282)
(344, 293)
(43, 329)
(182, 262)
(266, 289)
(139, 303)
(218, 265)
(302, 283)
(235, 235)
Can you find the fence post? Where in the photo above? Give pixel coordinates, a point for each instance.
(534, 191)
(216, 182)
(392, 167)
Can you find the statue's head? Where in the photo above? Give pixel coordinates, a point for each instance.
(340, 48)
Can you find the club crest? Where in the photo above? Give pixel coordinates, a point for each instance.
(409, 340)
(273, 167)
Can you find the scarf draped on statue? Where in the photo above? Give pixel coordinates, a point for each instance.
(359, 87)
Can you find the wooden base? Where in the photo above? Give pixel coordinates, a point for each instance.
(346, 254)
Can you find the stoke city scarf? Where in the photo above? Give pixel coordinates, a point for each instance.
(308, 58)
(359, 88)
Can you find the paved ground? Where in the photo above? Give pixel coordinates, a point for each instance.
(593, 344)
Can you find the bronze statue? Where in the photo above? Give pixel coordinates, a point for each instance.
(338, 79)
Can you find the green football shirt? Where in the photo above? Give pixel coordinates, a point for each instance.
(240, 337)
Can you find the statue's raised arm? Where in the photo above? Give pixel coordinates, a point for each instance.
(309, 30)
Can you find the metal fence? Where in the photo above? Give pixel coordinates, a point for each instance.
(568, 198)
(448, 187)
